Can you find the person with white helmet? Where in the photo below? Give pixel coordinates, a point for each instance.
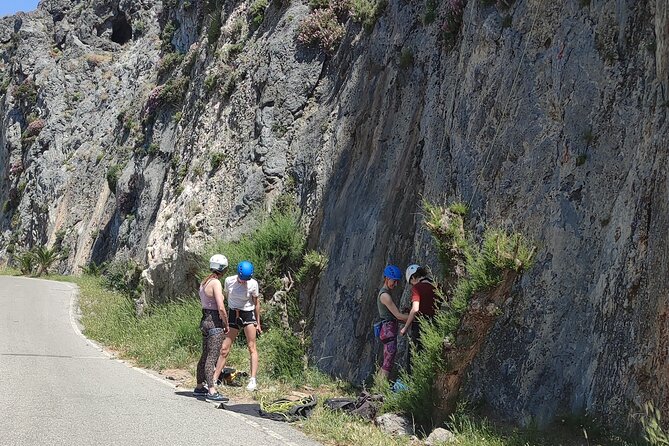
(214, 326)
(389, 315)
(423, 304)
(244, 314)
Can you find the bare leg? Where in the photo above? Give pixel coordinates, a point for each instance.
(250, 333)
(225, 351)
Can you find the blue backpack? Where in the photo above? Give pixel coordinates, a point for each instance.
(377, 329)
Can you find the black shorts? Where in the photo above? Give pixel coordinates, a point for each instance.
(240, 318)
(211, 322)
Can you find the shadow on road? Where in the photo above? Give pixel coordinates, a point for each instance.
(189, 394)
(241, 408)
(244, 409)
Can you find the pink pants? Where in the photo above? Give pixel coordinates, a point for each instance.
(389, 338)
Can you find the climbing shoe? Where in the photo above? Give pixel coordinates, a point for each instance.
(217, 398)
(200, 392)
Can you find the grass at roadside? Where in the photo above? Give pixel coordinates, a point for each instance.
(342, 429)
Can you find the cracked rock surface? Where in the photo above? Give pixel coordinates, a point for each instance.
(548, 118)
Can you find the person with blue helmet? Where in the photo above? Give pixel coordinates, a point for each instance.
(243, 294)
(390, 316)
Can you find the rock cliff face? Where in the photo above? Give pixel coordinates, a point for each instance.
(135, 129)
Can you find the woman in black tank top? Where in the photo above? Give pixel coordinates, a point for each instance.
(389, 315)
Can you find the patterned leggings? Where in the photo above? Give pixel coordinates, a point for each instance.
(389, 339)
(211, 327)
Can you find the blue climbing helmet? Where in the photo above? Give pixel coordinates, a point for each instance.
(392, 272)
(245, 270)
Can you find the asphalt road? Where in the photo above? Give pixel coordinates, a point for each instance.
(58, 388)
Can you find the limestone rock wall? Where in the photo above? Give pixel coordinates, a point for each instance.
(548, 118)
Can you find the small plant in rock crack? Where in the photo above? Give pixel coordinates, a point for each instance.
(406, 58)
(430, 12)
(214, 29)
(27, 92)
(507, 21)
(321, 28)
(367, 12)
(257, 11)
(211, 82)
(453, 21)
(113, 174)
(167, 35)
(168, 63)
(216, 160)
(174, 90)
(588, 137)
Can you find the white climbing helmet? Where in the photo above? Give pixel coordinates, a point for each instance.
(411, 270)
(218, 263)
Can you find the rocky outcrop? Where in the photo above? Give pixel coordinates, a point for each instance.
(162, 131)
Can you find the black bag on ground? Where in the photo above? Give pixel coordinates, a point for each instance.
(365, 406)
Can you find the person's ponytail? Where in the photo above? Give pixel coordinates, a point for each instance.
(212, 275)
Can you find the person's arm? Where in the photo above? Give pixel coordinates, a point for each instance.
(388, 302)
(256, 302)
(412, 314)
(220, 303)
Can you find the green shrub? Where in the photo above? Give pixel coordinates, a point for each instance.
(4, 86)
(447, 228)
(274, 248)
(174, 90)
(367, 12)
(123, 276)
(257, 11)
(113, 174)
(216, 160)
(167, 35)
(168, 63)
(313, 264)
(27, 92)
(430, 12)
(319, 4)
(211, 82)
(229, 86)
(138, 28)
(651, 422)
(282, 354)
(230, 51)
(507, 21)
(484, 267)
(588, 137)
(214, 29)
(406, 58)
(45, 258)
(26, 262)
(321, 28)
(93, 269)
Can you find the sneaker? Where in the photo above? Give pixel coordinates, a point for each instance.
(202, 391)
(252, 385)
(217, 398)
